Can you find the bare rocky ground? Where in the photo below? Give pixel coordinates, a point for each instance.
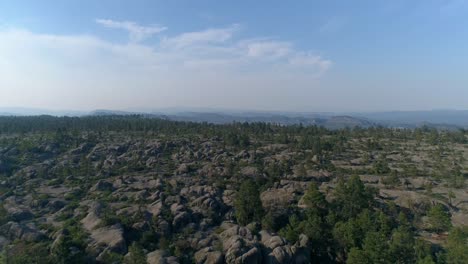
(177, 192)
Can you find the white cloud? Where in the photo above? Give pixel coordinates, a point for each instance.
(308, 59)
(208, 36)
(272, 49)
(136, 32)
(206, 68)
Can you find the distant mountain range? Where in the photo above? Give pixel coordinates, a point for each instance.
(22, 111)
(442, 119)
(445, 117)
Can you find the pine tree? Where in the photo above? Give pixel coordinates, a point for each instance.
(247, 204)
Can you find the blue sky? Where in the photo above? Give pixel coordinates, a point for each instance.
(258, 55)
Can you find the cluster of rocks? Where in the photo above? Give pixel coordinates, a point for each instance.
(168, 188)
(205, 209)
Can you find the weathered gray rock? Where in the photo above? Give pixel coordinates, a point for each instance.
(277, 199)
(109, 238)
(92, 219)
(164, 227)
(155, 208)
(277, 250)
(119, 183)
(29, 232)
(240, 246)
(180, 220)
(85, 147)
(154, 184)
(196, 191)
(302, 250)
(249, 171)
(16, 210)
(228, 197)
(177, 208)
(160, 257)
(56, 204)
(20, 214)
(151, 162)
(209, 256)
(28, 172)
(183, 169)
(231, 230)
(156, 257)
(102, 186)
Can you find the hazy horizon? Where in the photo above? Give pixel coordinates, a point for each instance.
(306, 56)
(201, 110)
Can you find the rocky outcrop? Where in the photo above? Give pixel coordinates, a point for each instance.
(102, 186)
(249, 171)
(277, 250)
(184, 168)
(109, 238)
(240, 246)
(92, 219)
(208, 203)
(26, 232)
(209, 256)
(181, 219)
(16, 210)
(161, 257)
(274, 199)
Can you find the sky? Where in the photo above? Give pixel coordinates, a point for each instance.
(302, 55)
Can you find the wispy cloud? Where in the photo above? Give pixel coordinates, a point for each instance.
(87, 71)
(136, 32)
(208, 36)
(271, 49)
(314, 63)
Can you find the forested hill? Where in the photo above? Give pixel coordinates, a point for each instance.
(447, 120)
(133, 189)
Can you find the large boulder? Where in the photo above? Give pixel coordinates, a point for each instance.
(109, 238)
(209, 256)
(17, 210)
(84, 147)
(228, 197)
(181, 219)
(198, 190)
(160, 257)
(93, 218)
(20, 214)
(184, 168)
(102, 186)
(249, 171)
(277, 199)
(25, 232)
(208, 205)
(55, 205)
(240, 246)
(155, 209)
(277, 250)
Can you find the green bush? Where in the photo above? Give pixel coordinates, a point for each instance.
(438, 218)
